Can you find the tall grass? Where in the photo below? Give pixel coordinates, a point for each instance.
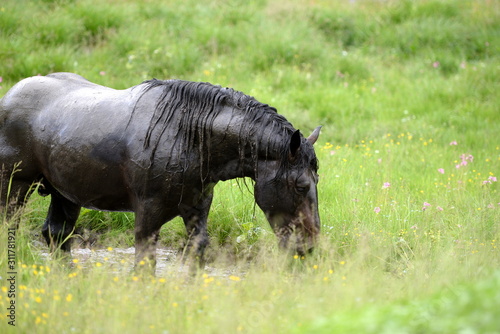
(409, 156)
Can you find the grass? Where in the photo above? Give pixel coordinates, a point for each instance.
(407, 92)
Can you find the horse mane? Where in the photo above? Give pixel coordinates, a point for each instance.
(195, 105)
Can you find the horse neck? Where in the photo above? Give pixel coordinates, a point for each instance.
(238, 147)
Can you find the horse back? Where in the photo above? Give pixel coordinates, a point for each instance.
(69, 130)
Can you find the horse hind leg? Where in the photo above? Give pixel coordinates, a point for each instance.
(14, 193)
(60, 222)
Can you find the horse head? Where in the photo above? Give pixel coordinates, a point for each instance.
(286, 191)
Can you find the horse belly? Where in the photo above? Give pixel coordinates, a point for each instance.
(88, 171)
(93, 188)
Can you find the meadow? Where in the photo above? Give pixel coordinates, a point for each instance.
(408, 96)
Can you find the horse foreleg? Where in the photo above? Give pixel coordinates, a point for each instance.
(145, 250)
(60, 222)
(148, 221)
(195, 220)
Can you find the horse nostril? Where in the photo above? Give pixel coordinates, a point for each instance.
(300, 252)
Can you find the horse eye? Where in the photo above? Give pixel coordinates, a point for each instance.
(302, 187)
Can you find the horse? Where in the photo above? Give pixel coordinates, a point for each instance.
(156, 149)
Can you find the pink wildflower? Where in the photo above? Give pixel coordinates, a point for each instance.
(376, 210)
(439, 208)
(441, 170)
(453, 143)
(102, 73)
(386, 185)
(435, 64)
(490, 180)
(426, 205)
(466, 159)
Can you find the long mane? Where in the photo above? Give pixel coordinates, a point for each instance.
(194, 107)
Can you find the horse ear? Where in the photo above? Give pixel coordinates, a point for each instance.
(314, 136)
(295, 143)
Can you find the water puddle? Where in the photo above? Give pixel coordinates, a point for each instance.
(121, 261)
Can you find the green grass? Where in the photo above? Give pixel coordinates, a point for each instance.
(393, 83)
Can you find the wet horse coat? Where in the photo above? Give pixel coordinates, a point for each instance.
(156, 149)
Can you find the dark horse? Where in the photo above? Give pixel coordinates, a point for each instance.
(156, 149)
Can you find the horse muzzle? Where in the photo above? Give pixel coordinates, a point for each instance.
(299, 231)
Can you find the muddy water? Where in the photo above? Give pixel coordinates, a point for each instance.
(121, 261)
